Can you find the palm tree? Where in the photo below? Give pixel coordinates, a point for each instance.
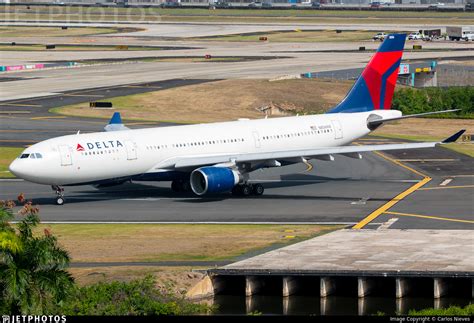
(33, 276)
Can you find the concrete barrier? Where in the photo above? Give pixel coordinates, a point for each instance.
(13, 68)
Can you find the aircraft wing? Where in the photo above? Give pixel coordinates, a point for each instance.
(231, 159)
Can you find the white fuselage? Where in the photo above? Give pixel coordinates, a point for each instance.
(88, 158)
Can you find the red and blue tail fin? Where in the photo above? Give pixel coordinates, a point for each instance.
(374, 88)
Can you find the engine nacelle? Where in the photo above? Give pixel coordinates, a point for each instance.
(208, 180)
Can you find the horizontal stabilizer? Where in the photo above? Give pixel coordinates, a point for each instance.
(115, 124)
(377, 122)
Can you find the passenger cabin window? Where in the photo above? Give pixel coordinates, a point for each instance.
(24, 156)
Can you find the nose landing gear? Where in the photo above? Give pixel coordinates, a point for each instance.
(59, 194)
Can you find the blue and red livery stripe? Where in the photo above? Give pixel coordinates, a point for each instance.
(374, 89)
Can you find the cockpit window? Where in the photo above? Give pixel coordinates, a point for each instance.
(32, 156)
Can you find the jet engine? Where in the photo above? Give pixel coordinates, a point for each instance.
(208, 180)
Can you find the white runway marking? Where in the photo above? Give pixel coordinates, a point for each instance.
(387, 224)
(446, 182)
(362, 201)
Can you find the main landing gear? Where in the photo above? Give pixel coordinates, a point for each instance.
(59, 194)
(248, 189)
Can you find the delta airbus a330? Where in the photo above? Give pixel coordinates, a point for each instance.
(218, 157)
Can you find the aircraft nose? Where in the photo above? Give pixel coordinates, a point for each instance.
(16, 169)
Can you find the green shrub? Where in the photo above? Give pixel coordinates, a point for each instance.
(450, 311)
(33, 275)
(34, 278)
(411, 101)
(138, 297)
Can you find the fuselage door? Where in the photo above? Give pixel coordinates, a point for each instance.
(131, 150)
(336, 124)
(66, 155)
(256, 138)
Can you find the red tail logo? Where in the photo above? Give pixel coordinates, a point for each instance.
(79, 147)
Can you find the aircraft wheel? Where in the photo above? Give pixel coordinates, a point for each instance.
(258, 189)
(60, 201)
(246, 190)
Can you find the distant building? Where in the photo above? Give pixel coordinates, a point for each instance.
(246, 2)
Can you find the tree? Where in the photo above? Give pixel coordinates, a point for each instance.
(33, 276)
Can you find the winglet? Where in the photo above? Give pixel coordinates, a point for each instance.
(116, 118)
(454, 137)
(115, 124)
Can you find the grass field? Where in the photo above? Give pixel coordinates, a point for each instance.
(234, 15)
(12, 31)
(174, 242)
(298, 36)
(7, 155)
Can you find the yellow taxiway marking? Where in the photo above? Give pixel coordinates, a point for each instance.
(51, 117)
(377, 143)
(429, 217)
(427, 160)
(15, 112)
(80, 121)
(309, 167)
(384, 208)
(400, 164)
(87, 95)
(143, 86)
(21, 105)
(140, 123)
(445, 187)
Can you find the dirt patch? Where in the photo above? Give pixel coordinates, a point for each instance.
(222, 100)
(175, 279)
